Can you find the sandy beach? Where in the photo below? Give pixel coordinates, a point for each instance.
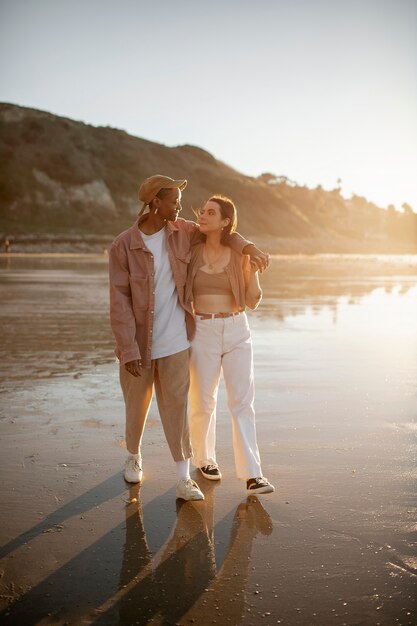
(335, 342)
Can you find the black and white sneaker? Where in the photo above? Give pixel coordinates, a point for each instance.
(259, 485)
(211, 472)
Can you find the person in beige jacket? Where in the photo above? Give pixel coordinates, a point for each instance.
(152, 323)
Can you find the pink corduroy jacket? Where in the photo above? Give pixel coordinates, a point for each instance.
(132, 289)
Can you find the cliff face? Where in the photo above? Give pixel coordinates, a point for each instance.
(62, 176)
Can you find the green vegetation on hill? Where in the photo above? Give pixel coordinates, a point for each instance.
(60, 176)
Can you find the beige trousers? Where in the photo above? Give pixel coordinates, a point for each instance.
(171, 378)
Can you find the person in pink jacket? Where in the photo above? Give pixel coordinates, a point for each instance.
(153, 325)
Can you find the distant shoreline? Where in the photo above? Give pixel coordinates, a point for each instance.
(314, 266)
(61, 255)
(90, 245)
(348, 256)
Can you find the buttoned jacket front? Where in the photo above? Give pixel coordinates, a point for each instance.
(132, 289)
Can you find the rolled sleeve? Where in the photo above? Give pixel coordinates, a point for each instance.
(253, 294)
(238, 243)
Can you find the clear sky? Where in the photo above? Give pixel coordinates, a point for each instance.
(312, 89)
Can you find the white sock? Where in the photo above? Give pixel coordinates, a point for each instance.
(183, 469)
(137, 457)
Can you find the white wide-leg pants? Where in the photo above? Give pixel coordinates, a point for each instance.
(223, 344)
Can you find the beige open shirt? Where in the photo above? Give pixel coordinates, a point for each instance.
(132, 289)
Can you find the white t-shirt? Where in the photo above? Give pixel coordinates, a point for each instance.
(169, 331)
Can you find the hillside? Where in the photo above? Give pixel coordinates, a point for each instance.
(63, 177)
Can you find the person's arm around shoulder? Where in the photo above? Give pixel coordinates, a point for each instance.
(259, 258)
(253, 294)
(244, 246)
(192, 230)
(122, 318)
(235, 241)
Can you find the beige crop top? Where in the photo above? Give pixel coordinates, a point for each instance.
(211, 284)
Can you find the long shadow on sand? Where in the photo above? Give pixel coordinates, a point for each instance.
(183, 583)
(112, 582)
(108, 489)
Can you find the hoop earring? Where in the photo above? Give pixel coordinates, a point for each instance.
(156, 211)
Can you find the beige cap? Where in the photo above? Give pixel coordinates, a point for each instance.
(152, 185)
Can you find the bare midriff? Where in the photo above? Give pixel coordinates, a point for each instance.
(214, 303)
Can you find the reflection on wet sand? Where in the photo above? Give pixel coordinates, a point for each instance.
(180, 583)
(292, 287)
(53, 321)
(54, 313)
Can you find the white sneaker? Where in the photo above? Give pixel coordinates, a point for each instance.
(133, 470)
(187, 489)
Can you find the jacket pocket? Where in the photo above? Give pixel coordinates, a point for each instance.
(185, 257)
(139, 288)
(182, 262)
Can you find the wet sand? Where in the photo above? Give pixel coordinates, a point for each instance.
(336, 369)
